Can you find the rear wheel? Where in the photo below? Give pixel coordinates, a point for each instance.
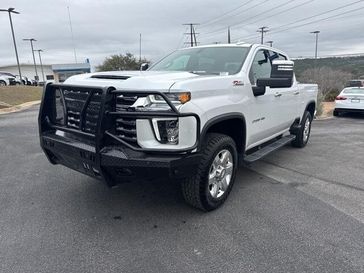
(2, 83)
(210, 186)
(303, 134)
(336, 113)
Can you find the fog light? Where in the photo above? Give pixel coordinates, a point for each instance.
(168, 131)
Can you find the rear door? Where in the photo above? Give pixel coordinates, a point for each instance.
(289, 98)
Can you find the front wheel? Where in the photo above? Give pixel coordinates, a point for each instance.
(304, 132)
(2, 83)
(210, 186)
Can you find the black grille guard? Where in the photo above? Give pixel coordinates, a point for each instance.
(104, 134)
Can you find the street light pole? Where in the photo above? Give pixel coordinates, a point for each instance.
(270, 43)
(35, 65)
(10, 11)
(316, 32)
(41, 64)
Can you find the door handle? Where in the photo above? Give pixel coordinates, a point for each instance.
(296, 92)
(277, 94)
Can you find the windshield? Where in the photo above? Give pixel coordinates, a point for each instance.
(205, 60)
(358, 91)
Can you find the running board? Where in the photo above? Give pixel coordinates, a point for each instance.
(268, 149)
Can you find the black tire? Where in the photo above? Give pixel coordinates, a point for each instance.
(195, 189)
(2, 83)
(336, 113)
(301, 140)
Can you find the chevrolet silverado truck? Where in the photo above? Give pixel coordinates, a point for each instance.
(193, 116)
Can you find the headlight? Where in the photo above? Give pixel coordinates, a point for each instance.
(179, 98)
(166, 130)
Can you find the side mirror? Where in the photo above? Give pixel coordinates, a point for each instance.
(144, 66)
(281, 76)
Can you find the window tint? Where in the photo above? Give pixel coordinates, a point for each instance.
(261, 67)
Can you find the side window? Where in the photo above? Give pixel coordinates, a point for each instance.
(261, 67)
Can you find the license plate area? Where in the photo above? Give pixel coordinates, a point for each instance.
(355, 100)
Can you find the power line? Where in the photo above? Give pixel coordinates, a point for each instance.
(283, 11)
(245, 10)
(209, 22)
(273, 30)
(256, 15)
(316, 21)
(319, 14)
(181, 42)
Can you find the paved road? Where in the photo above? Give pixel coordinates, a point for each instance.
(295, 211)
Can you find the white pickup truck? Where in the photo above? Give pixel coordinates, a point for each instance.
(195, 116)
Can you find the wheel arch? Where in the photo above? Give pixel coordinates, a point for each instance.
(231, 124)
(311, 107)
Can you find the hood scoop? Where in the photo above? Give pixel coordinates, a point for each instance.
(110, 77)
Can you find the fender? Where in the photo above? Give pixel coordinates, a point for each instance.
(220, 118)
(307, 106)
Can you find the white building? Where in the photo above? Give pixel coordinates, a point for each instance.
(27, 70)
(57, 72)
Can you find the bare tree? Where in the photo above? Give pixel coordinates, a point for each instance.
(330, 81)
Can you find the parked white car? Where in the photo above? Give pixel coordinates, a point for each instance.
(10, 79)
(193, 116)
(4, 80)
(351, 99)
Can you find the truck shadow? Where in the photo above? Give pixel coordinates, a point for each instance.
(143, 200)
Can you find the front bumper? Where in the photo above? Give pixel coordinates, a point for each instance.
(98, 152)
(115, 164)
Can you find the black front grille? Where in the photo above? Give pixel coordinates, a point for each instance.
(126, 127)
(77, 103)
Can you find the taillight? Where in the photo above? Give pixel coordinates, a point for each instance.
(340, 98)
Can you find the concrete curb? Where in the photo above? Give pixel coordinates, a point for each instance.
(18, 108)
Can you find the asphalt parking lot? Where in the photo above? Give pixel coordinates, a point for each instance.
(298, 210)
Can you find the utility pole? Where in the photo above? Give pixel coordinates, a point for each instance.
(10, 11)
(41, 64)
(192, 34)
(35, 65)
(140, 48)
(270, 43)
(262, 30)
(229, 36)
(316, 32)
(73, 38)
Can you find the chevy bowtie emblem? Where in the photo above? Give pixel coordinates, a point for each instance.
(236, 82)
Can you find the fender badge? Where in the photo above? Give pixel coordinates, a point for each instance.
(236, 82)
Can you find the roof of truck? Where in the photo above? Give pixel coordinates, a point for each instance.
(240, 44)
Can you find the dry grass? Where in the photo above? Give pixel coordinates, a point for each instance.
(15, 95)
(327, 109)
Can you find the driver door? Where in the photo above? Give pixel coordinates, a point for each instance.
(264, 110)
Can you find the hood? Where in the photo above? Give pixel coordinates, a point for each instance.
(135, 80)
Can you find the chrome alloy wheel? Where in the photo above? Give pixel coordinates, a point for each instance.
(306, 130)
(220, 174)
